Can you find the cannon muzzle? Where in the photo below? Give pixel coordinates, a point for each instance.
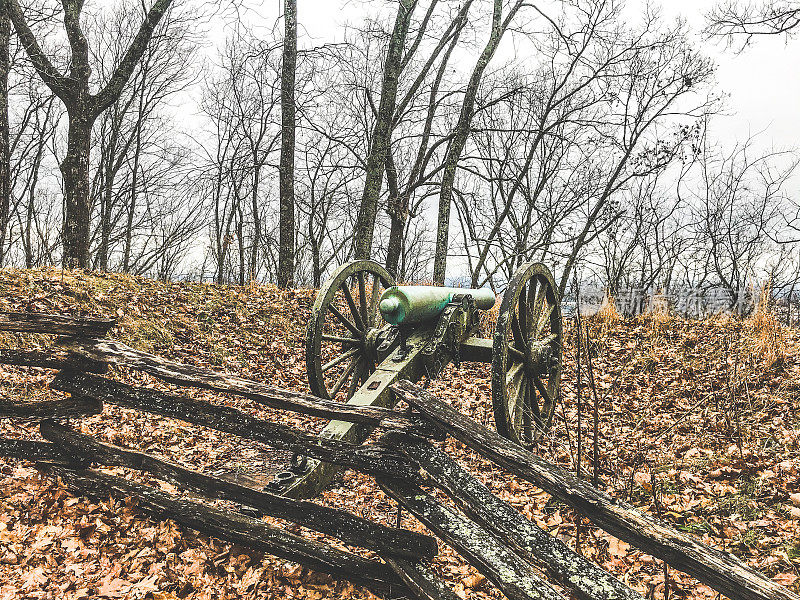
(407, 304)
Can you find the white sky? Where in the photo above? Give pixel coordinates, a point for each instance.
(762, 82)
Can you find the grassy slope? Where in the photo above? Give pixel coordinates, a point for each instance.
(706, 410)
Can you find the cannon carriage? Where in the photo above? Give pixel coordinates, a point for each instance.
(366, 333)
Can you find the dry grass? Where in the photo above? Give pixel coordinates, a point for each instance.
(764, 336)
(604, 319)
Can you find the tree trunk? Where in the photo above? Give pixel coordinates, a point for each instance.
(5, 148)
(126, 255)
(460, 134)
(381, 133)
(253, 268)
(77, 208)
(398, 213)
(399, 216)
(240, 241)
(286, 226)
(105, 217)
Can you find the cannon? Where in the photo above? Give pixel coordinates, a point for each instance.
(366, 332)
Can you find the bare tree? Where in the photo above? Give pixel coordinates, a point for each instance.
(461, 132)
(241, 99)
(286, 257)
(418, 175)
(738, 198)
(133, 128)
(381, 133)
(734, 19)
(83, 107)
(5, 142)
(656, 83)
(34, 215)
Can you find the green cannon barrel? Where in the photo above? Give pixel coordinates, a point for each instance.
(407, 304)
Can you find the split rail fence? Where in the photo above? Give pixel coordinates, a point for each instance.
(488, 532)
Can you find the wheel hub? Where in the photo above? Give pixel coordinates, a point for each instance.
(538, 357)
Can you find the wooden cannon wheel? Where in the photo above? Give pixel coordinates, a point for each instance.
(526, 355)
(340, 340)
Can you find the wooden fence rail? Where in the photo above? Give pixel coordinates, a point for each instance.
(31, 322)
(369, 458)
(75, 406)
(116, 353)
(720, 570)
(584, 578)
(349, 528)
(232, 526)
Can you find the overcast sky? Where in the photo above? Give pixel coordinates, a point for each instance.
(763, 81)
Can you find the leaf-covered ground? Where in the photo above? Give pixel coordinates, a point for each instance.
(698, 420)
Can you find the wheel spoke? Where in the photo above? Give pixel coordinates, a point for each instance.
(527, 430)
(519, 405)
(344, 320)
(522, 311)
(519, 321)
(512, 374)
(518, 354)
(546, 397)
(373, 301)
(533, 405)
(362, 299)
(351, 303)
(547, 340)
(516, 330)
(351, 389)
(514, 380)
(339, 359)
(339, 339)
(539, 301)
(343, 377)
(545, 316)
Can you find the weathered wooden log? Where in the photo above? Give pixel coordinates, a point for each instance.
(505, 568)
(231, 526)
(32, 450)
(31, 322)
(174, 372)
(50, 409)
(368, 458)
(349, 528)
(584, 578)
(50, 359)
(720, 570)
(424, 584)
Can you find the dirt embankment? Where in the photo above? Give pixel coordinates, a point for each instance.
(705, 414)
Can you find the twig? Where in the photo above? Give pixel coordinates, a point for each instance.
(579, 409)
(681, 418)
(595, 416)
(657, 507)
